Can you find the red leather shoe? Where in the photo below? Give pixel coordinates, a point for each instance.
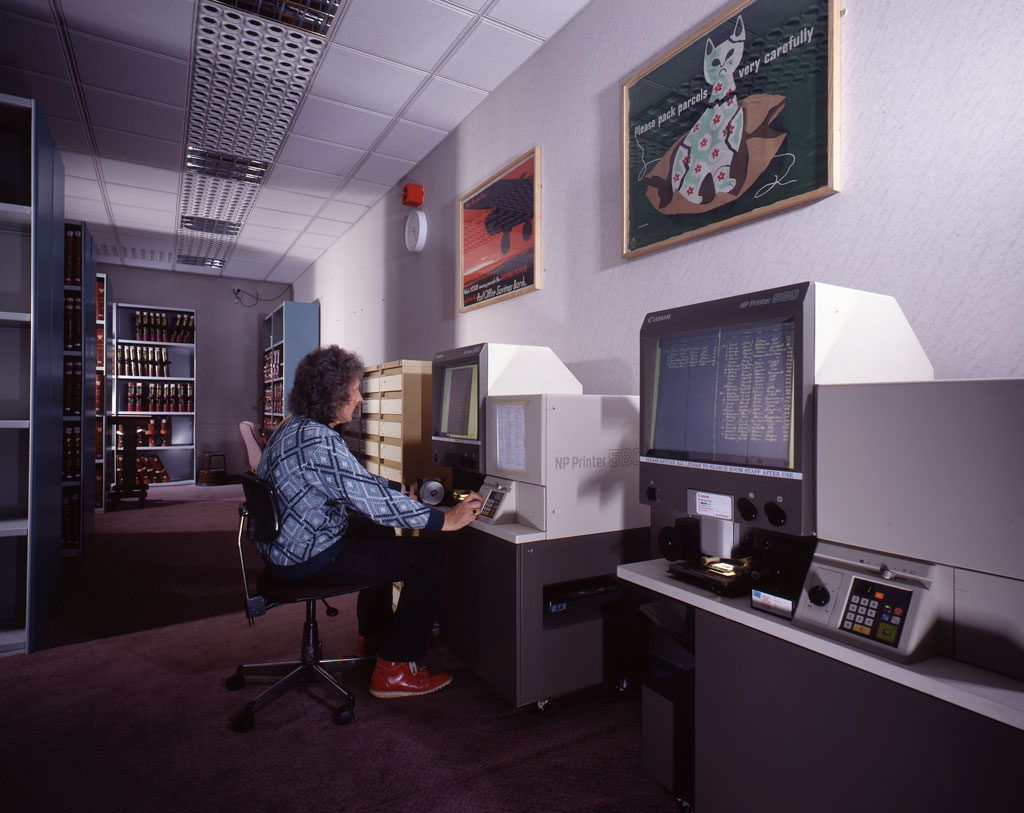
(396, 679)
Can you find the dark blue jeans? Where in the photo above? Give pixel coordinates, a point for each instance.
(373, 552)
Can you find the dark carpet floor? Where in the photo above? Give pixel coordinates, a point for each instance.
(125, 707)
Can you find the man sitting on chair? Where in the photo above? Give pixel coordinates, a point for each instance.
(318, 481)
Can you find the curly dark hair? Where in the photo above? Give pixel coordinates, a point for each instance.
(322, 380)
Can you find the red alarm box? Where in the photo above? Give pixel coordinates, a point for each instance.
(412, 194)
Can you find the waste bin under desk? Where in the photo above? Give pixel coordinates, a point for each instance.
(493, 615)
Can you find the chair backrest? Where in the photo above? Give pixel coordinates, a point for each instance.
(253, 443)
(264, 517)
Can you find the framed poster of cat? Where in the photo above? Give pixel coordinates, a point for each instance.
(738, 122)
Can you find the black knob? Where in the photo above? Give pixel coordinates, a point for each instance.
(776, 516)
(819, 595)
(747, 509)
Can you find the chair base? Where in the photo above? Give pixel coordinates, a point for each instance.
(311, 667)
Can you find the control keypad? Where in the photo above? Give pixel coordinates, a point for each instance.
(491, 504)
(876, 611)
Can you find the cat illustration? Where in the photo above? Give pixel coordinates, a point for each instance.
(702, 163)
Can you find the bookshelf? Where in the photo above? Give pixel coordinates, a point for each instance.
(153, 383)
(78, 442)
(101, 435)
(287, 334)
(31, 341)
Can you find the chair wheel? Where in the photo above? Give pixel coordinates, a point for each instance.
(345, 715)
(235, 682)
(243, 721)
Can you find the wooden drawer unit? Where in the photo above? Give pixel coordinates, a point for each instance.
(391, 434)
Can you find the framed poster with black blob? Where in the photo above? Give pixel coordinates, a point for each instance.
(499, 235)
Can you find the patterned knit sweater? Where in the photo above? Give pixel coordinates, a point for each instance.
(317, 479)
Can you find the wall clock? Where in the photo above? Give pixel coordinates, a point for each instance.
(415, 231)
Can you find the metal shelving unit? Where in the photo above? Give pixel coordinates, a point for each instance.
(287, 335)
(31, 341)
(153, 382)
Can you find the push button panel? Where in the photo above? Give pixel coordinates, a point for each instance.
(492, 504)
(876, 610)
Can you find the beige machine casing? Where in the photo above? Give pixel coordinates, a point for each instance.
(563, 465)
(931, 471)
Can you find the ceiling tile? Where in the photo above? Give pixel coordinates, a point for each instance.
(411, 141)
(82, 188)
(540, 17)
(143, 175)
(92, 211)
(361, 192)
(119, 111)
(412, 32)
(383, 169)
(126, 215)
(329, 228)
(268, 254)
(320, 241)
(346, 212)
(489, 54)
(472, 5)
(111, 65)
(303, 253)
(56, 97)
(269, 234)
(164, 26)
(30, 8)
(146, 247)
(144, 198)
(318, 155)
(78, 164)
(339, 123)
(139, 149)
(443, 103)
(31, 45)
(105, 243)
(274, 217)
(365, 81)
(69, 135)
(289, 201)
(296, 179)
(259, 247)
(289, 269)
(244, 270)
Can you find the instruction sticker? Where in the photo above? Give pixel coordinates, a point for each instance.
(718, 506)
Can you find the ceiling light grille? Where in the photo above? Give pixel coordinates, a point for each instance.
(314, 16)
(249, 77)
(208, 262)
(210, 225)
(220, 165)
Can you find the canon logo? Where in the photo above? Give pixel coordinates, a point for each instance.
(652, 319)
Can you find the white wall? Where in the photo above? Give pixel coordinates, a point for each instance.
(930, 207)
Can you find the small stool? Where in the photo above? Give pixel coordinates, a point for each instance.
(209, 474)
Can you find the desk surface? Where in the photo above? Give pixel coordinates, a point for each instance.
(995, 696)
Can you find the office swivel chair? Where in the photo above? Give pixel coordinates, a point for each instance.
(259, 519)
(253, 443)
